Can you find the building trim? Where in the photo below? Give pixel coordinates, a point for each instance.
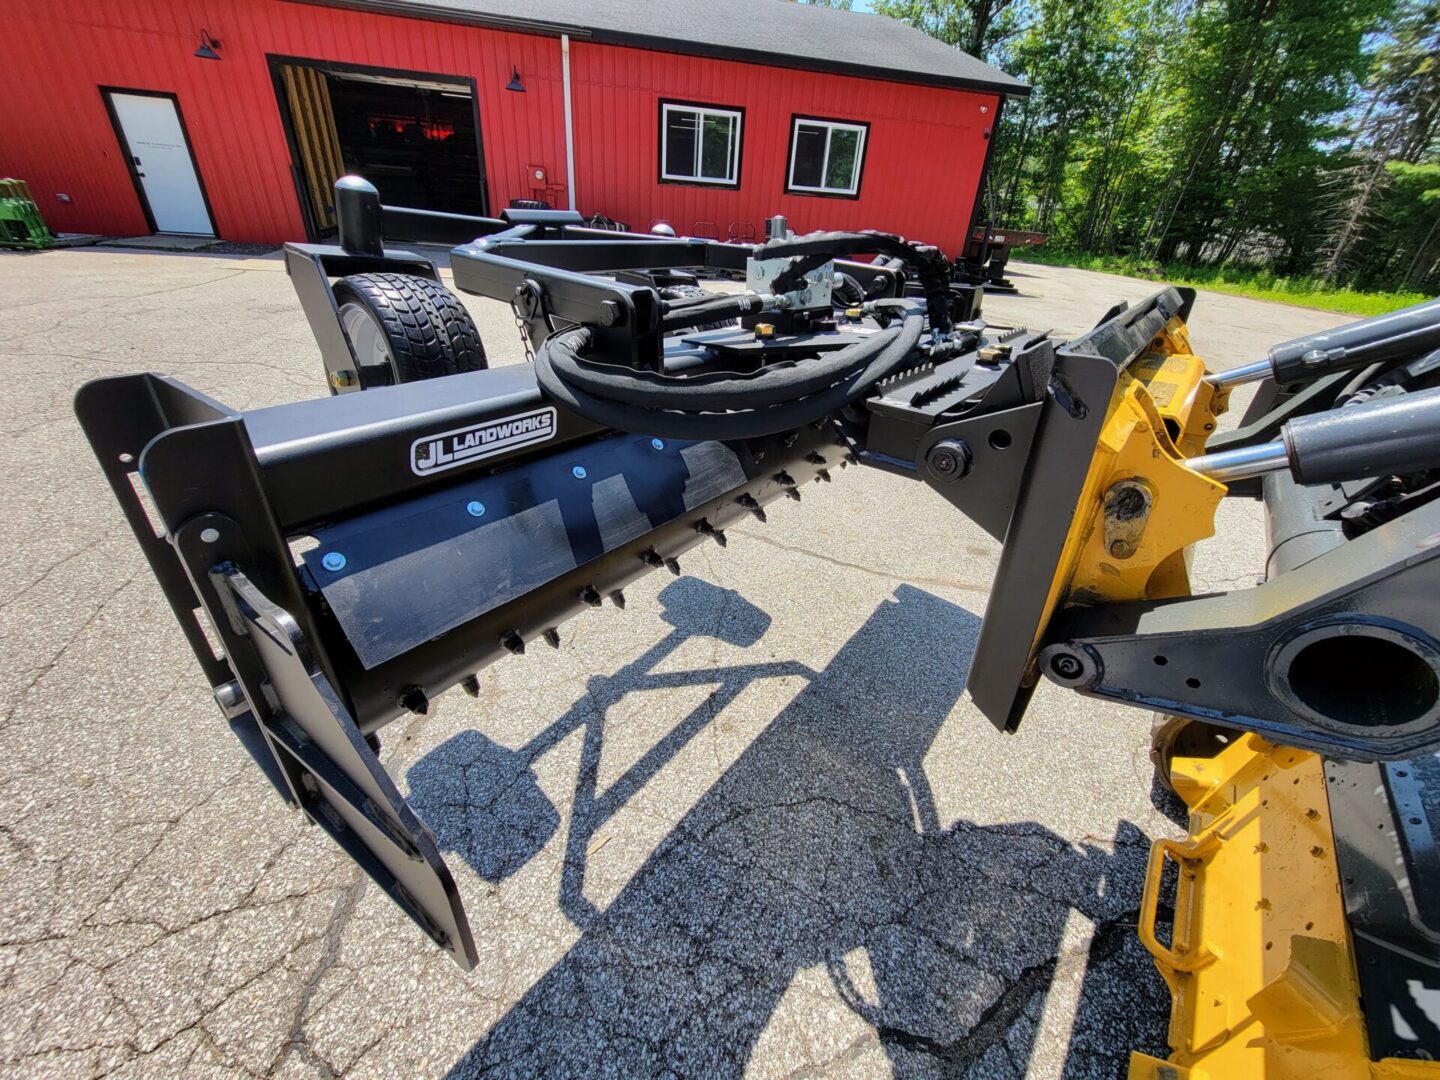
(274, 61)
(418, 9)
(569, 120)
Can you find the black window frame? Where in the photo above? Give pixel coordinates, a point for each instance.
(796, 119)
(737, 111)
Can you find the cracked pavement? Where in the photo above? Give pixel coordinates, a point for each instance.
(749, 826)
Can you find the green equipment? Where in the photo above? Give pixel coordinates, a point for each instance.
(21, 225)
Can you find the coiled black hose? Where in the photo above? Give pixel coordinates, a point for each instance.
(723, 405)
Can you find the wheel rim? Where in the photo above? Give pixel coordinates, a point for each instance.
(372, 350)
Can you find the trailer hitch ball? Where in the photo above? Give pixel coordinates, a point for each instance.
(949, 459)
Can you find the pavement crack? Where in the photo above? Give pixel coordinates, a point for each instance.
(908, 579)
(49, 665)
(45, 575)
(297, 1041)
(90, 312)
(955, 1057)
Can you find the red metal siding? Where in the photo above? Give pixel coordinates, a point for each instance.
(923, 156)
(922, 164)
(54, 131)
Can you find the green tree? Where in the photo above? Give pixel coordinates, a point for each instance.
(1292, 135)
(1265, 80)
(1399, 126)
(977, 27)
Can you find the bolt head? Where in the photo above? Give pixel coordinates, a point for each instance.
(209, 535)
(658, 444)
(1066, 666)
(950, 459)
(333, 561)
(578, 472)
(475, 508)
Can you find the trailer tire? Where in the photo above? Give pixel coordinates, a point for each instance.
(411, 326)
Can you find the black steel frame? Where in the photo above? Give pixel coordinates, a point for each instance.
(234, 490)
(544, 263)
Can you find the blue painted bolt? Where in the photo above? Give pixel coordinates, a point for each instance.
(658, 444)
(578, 472)
(333, 561)
(475, 508)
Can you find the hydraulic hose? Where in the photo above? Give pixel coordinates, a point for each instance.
(848, 291)
(816, 249)
(698, 311)
(722, 405)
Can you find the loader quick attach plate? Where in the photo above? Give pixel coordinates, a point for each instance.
(1028, 581)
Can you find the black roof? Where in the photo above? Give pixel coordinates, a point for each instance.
(773, 32)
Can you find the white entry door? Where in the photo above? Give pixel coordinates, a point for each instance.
(160, 156)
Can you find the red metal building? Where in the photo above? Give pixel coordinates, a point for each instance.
(233, 117)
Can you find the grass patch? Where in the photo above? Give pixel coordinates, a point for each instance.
(1256, 284)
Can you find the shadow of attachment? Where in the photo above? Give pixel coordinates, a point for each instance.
(483, 800)
(817, 870)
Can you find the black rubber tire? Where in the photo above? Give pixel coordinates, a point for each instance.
(426, 330)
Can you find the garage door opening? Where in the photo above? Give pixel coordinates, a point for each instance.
(415, 136)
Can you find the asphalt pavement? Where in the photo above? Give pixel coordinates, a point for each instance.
(748, 826)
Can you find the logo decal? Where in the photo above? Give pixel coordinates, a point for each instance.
(450, 449)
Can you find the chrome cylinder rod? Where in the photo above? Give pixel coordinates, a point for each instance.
(1245, 373)
(1238, 464)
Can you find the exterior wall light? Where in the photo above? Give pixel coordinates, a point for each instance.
(209, 48)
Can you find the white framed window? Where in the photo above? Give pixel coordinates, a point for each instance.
(826, 156)
(700, 144)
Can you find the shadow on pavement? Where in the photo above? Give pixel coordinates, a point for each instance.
(818, 859)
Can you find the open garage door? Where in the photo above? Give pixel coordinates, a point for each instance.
(415, 136)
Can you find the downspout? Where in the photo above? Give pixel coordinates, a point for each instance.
(569, 119)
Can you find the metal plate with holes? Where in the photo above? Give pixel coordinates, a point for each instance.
(820, 282)
(1339, 655)
(403, 575)
(1386, 848)
(339, 780)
